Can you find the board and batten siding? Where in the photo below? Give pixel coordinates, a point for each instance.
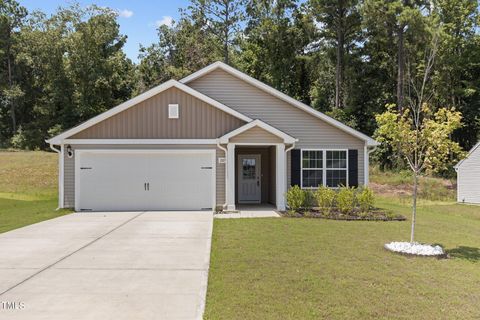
(258, 104)
(69, 166)
(468, 178)
(255, 135)
(149, 120)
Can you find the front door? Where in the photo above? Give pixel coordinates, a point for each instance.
(249, 178)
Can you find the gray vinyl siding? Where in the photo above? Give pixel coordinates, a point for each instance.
(256, 135)
(313, 133)
(468, 178)
(69, 167)
(149, 120)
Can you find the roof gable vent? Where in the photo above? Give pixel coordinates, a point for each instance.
(173, 111)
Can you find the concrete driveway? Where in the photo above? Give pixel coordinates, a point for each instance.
(116, 265)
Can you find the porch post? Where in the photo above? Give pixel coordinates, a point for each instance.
(230, 177)
(281, 182)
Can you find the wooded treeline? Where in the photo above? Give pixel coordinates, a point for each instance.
(348, 58)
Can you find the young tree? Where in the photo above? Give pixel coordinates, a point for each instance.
(420, 134)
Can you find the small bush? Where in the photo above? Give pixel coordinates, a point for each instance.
(295, 199)
(309, 201)
(366, 199)
(325, 198)
(19, 139)
(346, 200)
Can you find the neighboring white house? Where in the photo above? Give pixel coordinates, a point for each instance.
(468, 177)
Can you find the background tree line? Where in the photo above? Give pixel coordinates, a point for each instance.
(348, 58)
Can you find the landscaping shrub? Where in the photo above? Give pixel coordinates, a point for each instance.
(346, 200)
(325, 198)
(366, 199)
(295, 198)
(309, 201)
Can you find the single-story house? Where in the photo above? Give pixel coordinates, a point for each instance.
(468, 177)
(216, 138)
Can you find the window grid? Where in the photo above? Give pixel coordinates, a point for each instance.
(334, 168)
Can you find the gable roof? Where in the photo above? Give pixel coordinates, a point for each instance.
(144, 96)
(258, 123)
(468, 155)
(274, 92)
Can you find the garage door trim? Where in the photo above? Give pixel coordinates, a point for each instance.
(79, 153)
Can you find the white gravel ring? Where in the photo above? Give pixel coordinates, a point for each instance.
(415, 248)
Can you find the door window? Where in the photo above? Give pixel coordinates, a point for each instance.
(248, 169)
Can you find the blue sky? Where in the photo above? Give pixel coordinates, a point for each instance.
(138, 18)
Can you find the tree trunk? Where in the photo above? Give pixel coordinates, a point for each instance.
(401, 67)
(10, 83)
(414, 209)
(226, 28)
(340, 67)
(225, 47)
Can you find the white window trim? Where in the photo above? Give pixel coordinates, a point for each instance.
(324, 167)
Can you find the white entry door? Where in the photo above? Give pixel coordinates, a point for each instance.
(249, 178)
(118, 180)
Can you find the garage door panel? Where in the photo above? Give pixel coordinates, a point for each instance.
(112, 181)
(116, 181)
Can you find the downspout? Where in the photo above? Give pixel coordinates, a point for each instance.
(367, 163)
(226, 172)
(60, 175)
(286, 157)
(293, 146)
(54, 149)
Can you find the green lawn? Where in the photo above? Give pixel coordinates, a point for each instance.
(28, 188)
(292, 268)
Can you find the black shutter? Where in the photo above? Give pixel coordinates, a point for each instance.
(295, 167)
(353, 168)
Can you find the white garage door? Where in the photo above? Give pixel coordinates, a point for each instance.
(114, 180)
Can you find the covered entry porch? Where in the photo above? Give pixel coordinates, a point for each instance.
(256, 165)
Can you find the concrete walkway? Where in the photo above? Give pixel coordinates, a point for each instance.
(123, 265)
(250, 211)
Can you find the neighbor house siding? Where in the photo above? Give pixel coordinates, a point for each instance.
(149, 120)
(256, 135)
(69, 167)
(258, 104)
(468, 181)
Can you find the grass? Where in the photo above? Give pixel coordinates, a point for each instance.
(400, 184)
(28, 188)
(291, 268)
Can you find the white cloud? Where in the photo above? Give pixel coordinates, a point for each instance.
(166, 20)
(125, 13)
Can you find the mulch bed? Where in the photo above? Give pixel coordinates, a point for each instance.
(372, 215)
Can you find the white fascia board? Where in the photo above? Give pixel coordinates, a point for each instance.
(140, 141)
(258, 123)
(282, 96)
(142, 97)
(468, 155)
